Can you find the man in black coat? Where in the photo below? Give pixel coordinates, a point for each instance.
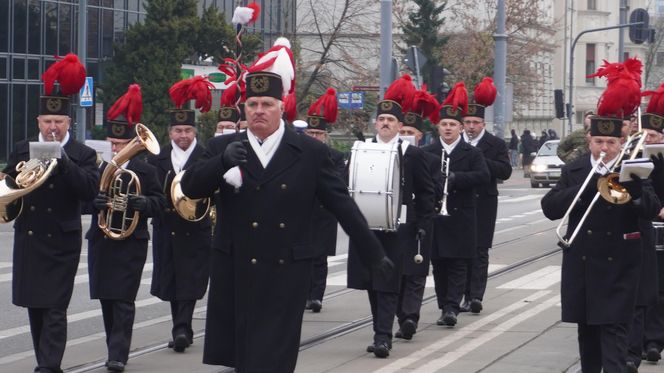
(455, 236)
(497, 160)
(600, 270)
(47, 233)
(115, 265)
(180, 247)
(323, 223)
(417, 198)
(269, 179)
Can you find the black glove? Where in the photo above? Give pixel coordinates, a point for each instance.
(421, 233)
(137, 203)
(100, 202)
(634, 186)
(450, 181)
(63, 162)
(384, 267)
(658, 161)
(235, 154)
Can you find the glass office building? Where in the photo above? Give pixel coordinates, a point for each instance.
(32, 32)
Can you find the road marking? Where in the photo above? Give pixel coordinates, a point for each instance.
(6, 277)
(527, 197)
(464, 332)
(450, 357)
(539, 280)
(527, 225)
(5, 265)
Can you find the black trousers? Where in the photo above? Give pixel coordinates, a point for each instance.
(318, 278)
(182, 312)
(478, 272)
(383, 309)
(410, 298)
(48, 327)
(635, 336)
(118, 323)
(603, 347)
(654, 327)
(449, 275)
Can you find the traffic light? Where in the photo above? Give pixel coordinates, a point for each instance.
(639, 34)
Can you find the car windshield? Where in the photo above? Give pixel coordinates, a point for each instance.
(549, 148)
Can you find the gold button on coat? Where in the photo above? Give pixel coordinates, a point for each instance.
(254, 261)
(284, 186)
(254, 225)
(30, 233)
(282, 225)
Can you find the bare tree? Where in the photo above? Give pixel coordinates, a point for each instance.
(654, 67)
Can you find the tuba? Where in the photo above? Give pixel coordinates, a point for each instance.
(31, 175)
(118, 192)
(188, 208)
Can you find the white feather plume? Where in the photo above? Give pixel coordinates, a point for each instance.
(283, 41)
(242, 15)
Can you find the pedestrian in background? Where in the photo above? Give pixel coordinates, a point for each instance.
(514, 149)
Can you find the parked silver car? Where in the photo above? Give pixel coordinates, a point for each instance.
(546, 167)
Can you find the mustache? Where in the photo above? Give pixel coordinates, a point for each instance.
(385, 126)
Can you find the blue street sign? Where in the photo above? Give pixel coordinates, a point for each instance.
(350, 100)
(86, 94)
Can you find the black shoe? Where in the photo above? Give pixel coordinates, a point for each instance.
(381, 350)
(475, 305)
(408, 329)
(370, 348)
(465, 306)
(631, 367)
(307, 306)
(652, 354)
(180, 343)
(316, 305)
(448, 319)
(115, 366)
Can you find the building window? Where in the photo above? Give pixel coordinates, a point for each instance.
(590, 62)
(660, 59)
(592, 4)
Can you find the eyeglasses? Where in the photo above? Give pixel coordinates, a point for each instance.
(472, 122)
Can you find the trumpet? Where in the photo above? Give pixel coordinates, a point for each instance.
(441, 205)
(112, 184)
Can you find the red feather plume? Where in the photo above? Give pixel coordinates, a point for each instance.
(401, 91)
(656, 104)
(424, 103)
(290, 107)
(485, 92)
(257, 12)
(197, 88)
(325, 106)
(67, 71)
(230, 96)
(458, 98)
(130, 105)
(622, 96)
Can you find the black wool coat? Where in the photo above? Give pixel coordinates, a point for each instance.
(497, 160)
(47, 233)
(323, 222)
(262, 254)
(180, 248)
(455, 236)
(600, 270)
(417, 197)
(115, 266)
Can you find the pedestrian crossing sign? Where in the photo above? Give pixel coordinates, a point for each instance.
(86, 93)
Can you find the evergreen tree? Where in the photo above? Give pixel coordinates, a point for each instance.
(423, 31)
(217, 39)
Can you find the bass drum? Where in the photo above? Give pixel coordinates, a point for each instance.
(375, 183)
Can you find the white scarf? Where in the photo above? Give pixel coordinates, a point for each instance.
(266, 151)
(64, 141)
(449, 148)
(404, 143)
(180, 157)
(474, 141)
(602, 170)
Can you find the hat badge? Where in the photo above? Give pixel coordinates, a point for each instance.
(314, 121)
(117, 129)
(260, 84)
(451, 111)
(386, 106)
(180, 116)
(605, 127)
(656, 122)
(472, 109)
(410, 118)
(53, 105)
(226, 112)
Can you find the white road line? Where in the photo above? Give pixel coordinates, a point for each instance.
(5, 265)
(539, 280)
(464, 332)
(89, 338)
(527, 197)
(7, 333)
(6, 277)
(450, 357)
(521, 226)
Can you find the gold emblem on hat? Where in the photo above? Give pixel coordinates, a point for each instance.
(53, 105)
(386, 106)
(605, 127)
(181, 116)
(410, 118)
(260, 84)
(656, 122)
(472, 110)
(226, 112)
(451, 111)
(118, 129)
(314, 122)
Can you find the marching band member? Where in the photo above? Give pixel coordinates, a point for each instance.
(414, 276)
(321, 116)
(600, 269)
(180, 247)
(418, 198)
(115, 266)
(47, 233)
(455, 236)
(497, 160)
(269, 179)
